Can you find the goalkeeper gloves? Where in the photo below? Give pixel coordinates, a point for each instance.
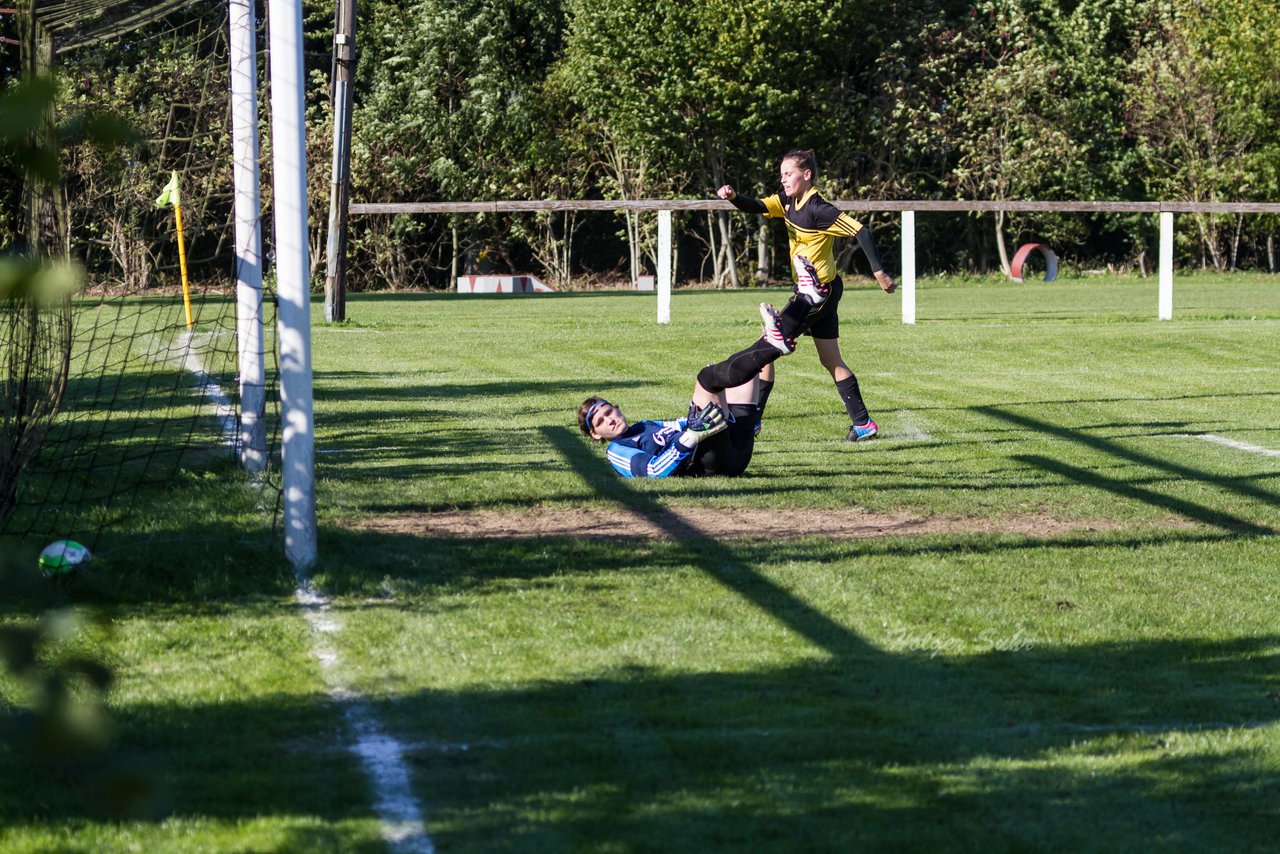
(707, 422)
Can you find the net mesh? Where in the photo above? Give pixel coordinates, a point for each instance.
(111, 400)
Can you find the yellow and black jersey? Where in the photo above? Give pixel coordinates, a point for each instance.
(813, 223)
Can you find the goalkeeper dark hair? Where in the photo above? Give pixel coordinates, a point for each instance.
(584, 414)
(807, 158)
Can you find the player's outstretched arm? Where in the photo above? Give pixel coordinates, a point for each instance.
(746, 204)
(868, 245)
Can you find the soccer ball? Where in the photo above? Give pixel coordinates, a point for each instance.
(62, 557)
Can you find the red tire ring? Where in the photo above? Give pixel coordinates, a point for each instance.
(1020, 258)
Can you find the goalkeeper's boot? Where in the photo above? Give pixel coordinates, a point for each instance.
(862, 432)
(808, 285)
(773, 329)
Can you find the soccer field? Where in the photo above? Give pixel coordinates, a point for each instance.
(1041, 611)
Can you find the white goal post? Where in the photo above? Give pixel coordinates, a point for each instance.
(293, 291)
(252, 440)
(1163, 210)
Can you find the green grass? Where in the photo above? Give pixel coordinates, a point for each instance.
(1112, 686)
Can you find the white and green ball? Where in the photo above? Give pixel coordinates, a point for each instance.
(62, 558)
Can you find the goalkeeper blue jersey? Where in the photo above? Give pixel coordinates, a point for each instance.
(649, 449)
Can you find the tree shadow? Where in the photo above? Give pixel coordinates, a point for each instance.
(868, 749)
(1080, 401)
(277, 756)
(1242, 487)
(365, 387)
(717, 560)
(857, 747)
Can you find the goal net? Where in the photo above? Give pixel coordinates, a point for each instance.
(123, 401)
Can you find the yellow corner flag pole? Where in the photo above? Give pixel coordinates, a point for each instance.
(172, 196)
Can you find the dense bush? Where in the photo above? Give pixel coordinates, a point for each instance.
(531, 99)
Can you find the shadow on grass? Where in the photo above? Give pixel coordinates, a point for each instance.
(1129, 490)
(707, 551)
(357, 445)
(856, 747)
(868, 750)
(364, 387)
(860, 748)
(209, 767)
(114, 436)
(863, 748)
(1226, 397)
(852, 750)
(1240, 486)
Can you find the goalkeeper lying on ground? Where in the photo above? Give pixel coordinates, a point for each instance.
(716, 438)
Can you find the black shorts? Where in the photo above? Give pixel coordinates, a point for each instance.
(824, 321)
(728, 453)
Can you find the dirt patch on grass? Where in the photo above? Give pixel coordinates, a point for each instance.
(718, 523)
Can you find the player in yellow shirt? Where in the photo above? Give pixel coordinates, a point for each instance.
(813, 224)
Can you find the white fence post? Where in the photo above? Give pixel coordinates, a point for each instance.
(289, 170)
(908, 266)
(664, 266)
(1166, 266)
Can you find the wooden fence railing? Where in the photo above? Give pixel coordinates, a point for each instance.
(664, 207)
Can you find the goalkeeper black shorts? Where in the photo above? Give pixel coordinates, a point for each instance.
(728, 453)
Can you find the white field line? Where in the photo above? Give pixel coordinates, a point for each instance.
(1229, 443)
(382, 756)
(222, 405)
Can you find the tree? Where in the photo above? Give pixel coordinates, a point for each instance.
(1021, 126)
(703, 92)
(173, 91)
(1203, 98)
(448, 107)
(612, 74)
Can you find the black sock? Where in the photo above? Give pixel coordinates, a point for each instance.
(766, 388)
(794, 318)
(852, 398)
(738, 368)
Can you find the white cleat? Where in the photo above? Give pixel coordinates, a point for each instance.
(807, 283)
(773, 329)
